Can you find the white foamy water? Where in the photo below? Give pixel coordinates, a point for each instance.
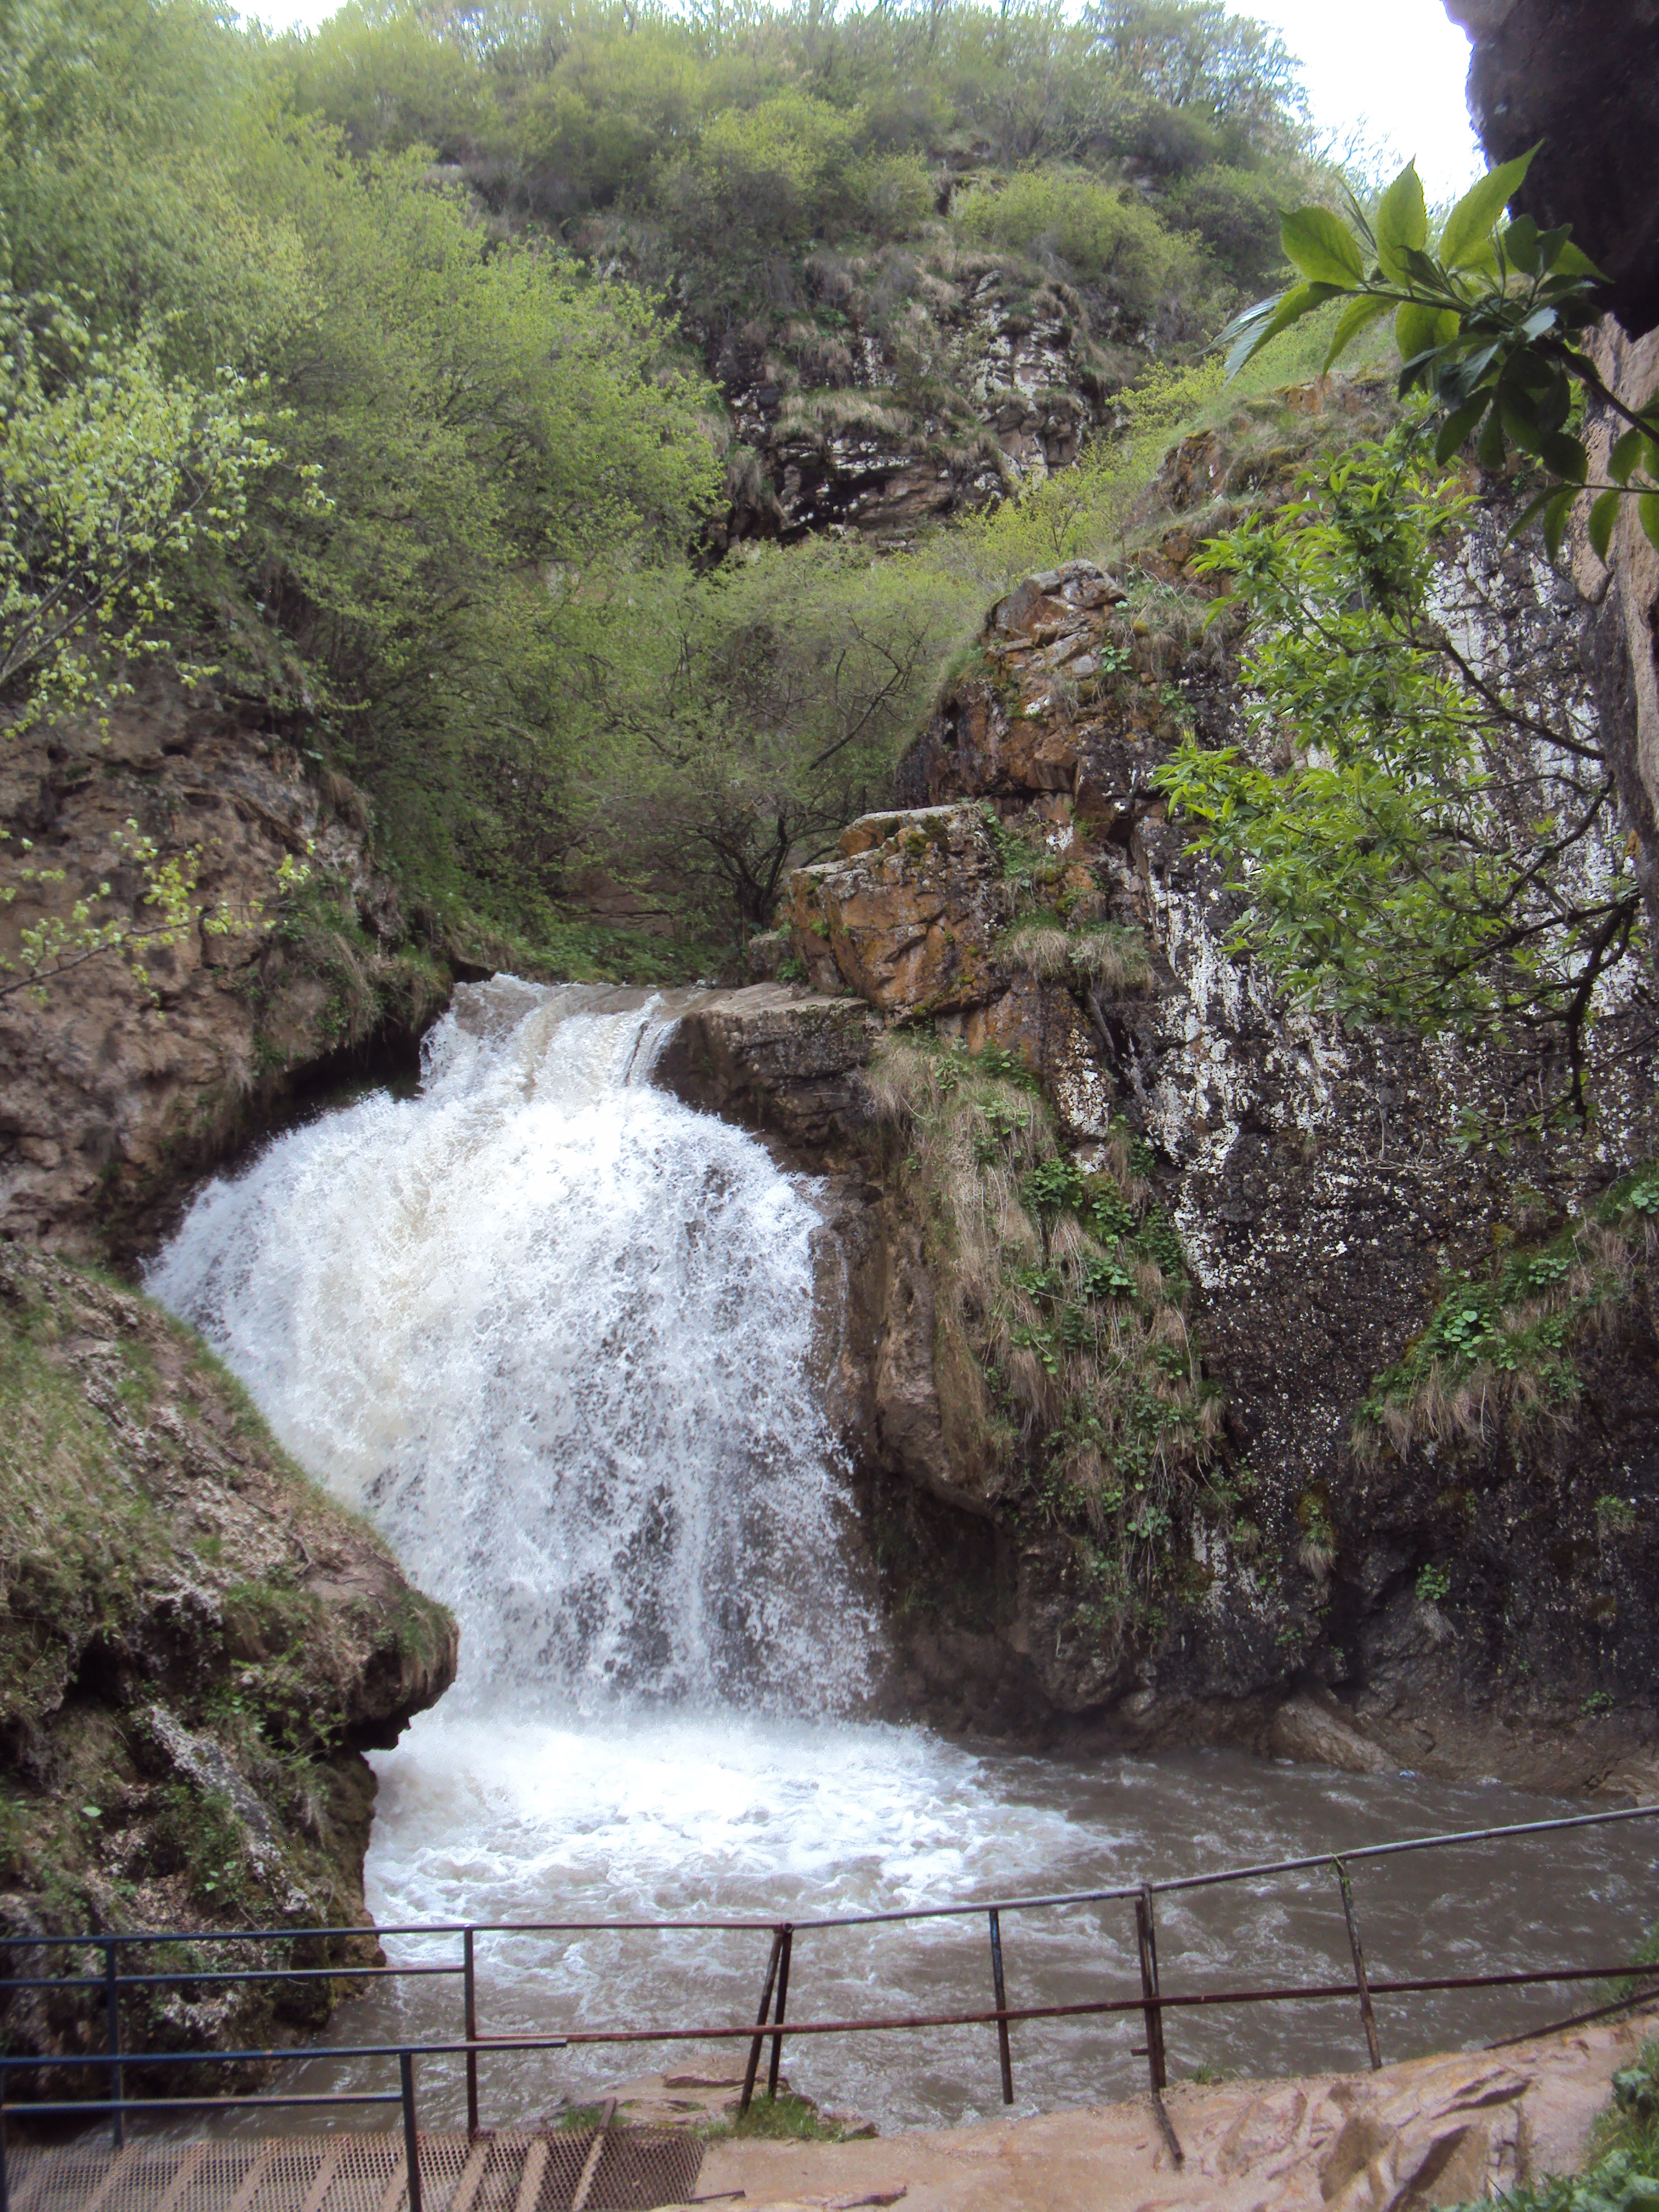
(551, 1329)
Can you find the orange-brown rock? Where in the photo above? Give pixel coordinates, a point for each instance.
(909, 916)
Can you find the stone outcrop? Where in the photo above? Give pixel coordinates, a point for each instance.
(113, 1086)
(773, 1057)
(1322, 1195)
(837, 433)
(196, 1645)
(1444, 2130)
(1579, 79)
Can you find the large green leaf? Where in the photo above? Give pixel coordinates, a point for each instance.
(1557, 515)
(1289, 308)
(1563, 456)
(1357, 316)
(1418, 330)
(1403, 221)
(1648, 507)
(1322, 248)
(1625, 456)
(1469, 225)
(1459, 427)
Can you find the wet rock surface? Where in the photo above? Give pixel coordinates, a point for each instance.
(1429, 2131)
(1323, 1194)
(195, 1647)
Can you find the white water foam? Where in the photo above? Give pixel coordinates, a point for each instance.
(551, 1328)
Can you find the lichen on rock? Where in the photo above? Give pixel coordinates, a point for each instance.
(196, 1645)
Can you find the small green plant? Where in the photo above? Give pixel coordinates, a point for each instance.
(1617, 1515)
(1598, 1703)
(783, 2118)
(1433, 1584)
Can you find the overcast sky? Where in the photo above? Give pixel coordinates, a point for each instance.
(1393, 68)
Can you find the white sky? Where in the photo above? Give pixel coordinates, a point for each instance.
(1392, 69)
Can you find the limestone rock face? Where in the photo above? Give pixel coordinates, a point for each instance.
(195, 1647)
(1583, 77)
(909, 913)
(106, 1097)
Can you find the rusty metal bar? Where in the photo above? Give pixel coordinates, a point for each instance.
(573, 2037)
(412, 2133)
(783, 1999)
(753, 2067)
(1366, 2013)
(1151, 2001)
(113, 2006)
(469, 2029)
(1446, 1841)
(1003, 2052)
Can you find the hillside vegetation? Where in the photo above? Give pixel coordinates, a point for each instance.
(393, 381)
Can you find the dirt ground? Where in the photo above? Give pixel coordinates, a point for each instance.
(1430, 2131)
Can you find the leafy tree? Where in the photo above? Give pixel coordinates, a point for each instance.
(1425, 844)
(761, 709)
(1490, 325)
(112, 475)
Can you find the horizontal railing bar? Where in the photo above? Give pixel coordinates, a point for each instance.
(121, 1939)
(1320, 1991)
(196, 2103)
(227, 1974)
(1115, 1894)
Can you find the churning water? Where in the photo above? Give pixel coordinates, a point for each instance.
(553, 1330)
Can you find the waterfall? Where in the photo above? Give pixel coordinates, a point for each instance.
(550, 1328)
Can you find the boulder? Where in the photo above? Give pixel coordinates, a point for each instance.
(909, 913)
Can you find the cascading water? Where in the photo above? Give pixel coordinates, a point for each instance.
(552, 1330)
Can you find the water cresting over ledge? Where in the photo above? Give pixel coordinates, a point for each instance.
(551, 1328)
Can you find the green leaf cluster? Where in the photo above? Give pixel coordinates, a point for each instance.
(1434, 855)
(1489, 321)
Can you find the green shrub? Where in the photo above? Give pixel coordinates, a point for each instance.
(1103, 234)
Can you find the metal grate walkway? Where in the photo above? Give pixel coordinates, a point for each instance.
(581, 2170)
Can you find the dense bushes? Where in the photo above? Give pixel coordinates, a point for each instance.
(1096, 233)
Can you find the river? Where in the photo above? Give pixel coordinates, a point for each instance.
(553, 1330)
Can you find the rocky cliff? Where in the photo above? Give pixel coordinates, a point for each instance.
(1156, 1283)
(195, 1647)
(123, 1071)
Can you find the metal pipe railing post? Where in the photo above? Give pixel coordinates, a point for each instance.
(777, 2016)
(1365, 1988)
(1146, 1943)
(470, 2016)
(753, 2068)
(1003, 2051)
(412, 2133)
(112, 2009)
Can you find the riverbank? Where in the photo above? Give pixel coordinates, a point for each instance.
(1430, 2131)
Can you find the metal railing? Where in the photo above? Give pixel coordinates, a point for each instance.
(770, 2024)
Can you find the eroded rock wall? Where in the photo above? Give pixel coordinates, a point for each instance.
(115, 1086)
(1478, 1599)
(196, 1645)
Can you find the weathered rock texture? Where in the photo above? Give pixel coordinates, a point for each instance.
(1481, 1603)
(1430, 2131)
(828, 432)
(195, 1647)
(1581, 76)
(111, 1092)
